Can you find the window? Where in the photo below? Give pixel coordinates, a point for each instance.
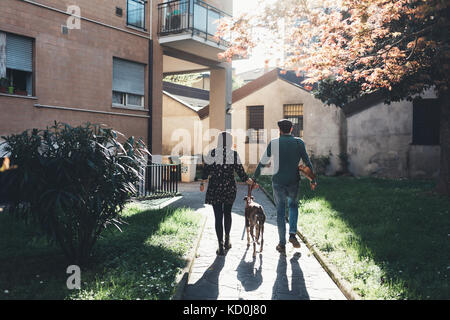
(255, 117)
(426, 122)
(128, 83)
(136, 13)
(17, 74)
(294, 112)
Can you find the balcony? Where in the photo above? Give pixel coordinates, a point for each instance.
(190, 26)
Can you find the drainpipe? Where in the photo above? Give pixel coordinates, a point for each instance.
(343, 141)
(148, 177)
(150, 82)
(150, 98)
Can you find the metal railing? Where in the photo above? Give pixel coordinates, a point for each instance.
(190, 16)
(160, 180)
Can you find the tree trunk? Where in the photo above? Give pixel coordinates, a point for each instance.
(443, 185)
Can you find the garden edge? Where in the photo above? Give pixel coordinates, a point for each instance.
(334, 274)
(183, 277)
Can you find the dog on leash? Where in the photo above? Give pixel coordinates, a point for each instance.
(254, 221)
(307, 172)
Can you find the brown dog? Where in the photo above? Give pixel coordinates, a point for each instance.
(254, 219)
(307, 172)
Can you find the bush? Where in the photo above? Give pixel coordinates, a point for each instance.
(72, 182)
(345, 162)
(320, 163)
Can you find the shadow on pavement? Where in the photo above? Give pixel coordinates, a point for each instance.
(250, 278)
(281, 289)
(207, 287)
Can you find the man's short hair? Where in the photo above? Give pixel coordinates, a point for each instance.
(285, 125)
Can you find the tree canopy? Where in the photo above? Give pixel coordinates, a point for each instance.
(399, 46)
(350, 48)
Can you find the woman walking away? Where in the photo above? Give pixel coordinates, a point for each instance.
(220, 165)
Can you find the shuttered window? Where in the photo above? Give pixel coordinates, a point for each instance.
(294, 112)
(426, 122)
(19, 53)
(128, 77)
(255, 117)
(16, 64)
(128, 83)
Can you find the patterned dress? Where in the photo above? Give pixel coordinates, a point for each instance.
(222, 185)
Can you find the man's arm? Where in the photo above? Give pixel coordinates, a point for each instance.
(305, 158)
(264, 160)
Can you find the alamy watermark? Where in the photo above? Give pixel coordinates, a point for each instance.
(250, 145)
(74, 280)
(74, 21)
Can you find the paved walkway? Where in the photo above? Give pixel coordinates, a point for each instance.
(237, 275)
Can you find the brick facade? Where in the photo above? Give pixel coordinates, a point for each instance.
(74, 70)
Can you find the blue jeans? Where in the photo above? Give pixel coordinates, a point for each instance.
(280, 194)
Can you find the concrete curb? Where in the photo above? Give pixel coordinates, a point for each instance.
(183, 277)
(342, 284)
(167, 202)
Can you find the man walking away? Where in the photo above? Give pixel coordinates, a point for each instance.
(286, 153)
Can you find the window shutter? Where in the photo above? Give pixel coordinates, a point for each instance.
(256, 117)
(256, 122)
(128, 77)
(294, 113)
(2, 55)
(19, 53)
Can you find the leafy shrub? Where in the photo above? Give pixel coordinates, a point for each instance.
(345, 162)
(320, 163)
(72, 182)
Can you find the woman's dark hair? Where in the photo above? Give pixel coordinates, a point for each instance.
(285, 125)
(224, 140)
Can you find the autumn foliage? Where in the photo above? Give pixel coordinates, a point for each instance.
(376, 43)
(349, 48)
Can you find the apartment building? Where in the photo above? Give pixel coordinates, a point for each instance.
(103, 62)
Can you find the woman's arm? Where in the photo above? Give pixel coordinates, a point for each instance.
(264, 161)
(205, 174)
(239, 169)
(207, 164)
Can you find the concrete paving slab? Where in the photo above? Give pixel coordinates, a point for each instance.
(237, 275)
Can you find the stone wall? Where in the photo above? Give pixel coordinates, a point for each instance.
(379, 143)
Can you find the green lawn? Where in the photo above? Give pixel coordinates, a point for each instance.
(390, 239)
(142, 262)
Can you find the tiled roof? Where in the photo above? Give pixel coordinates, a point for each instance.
(258, 84)
(362, 103)
(185, 91)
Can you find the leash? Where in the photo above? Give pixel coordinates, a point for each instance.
(249, 192)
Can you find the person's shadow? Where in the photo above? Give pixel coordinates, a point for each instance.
(207, 287)
(250, 278)
(281, 289)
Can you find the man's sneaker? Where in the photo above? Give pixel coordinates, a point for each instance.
(281, 249)
(294, 241)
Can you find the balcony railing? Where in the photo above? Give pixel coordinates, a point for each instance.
(190, 16)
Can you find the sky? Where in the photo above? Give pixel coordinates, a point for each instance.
(258, 57)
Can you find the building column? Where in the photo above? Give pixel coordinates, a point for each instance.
(220, 97)
(157, 114)
(156, 123)
(229, 100)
